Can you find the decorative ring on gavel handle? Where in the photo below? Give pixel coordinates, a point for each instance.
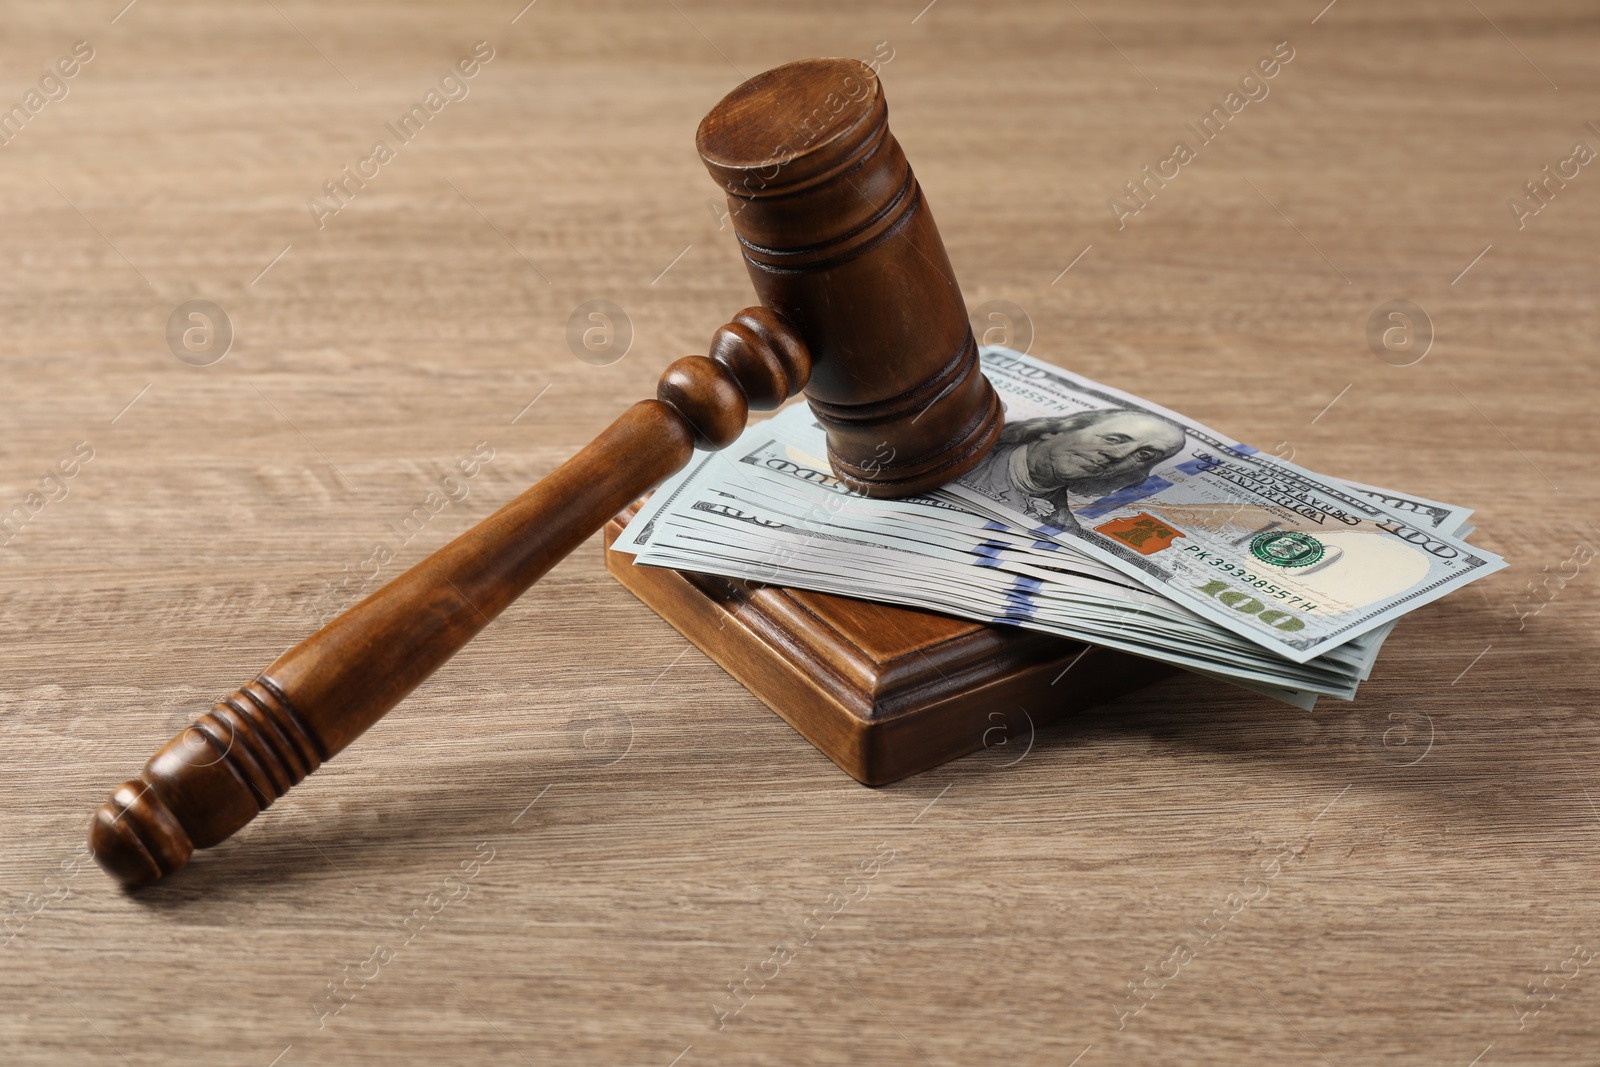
(235, 760)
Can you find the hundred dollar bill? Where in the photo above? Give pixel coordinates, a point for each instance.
(798, 439)
(812, 561)
(776, 482)
(772, 513)
(767, 509)
(1293, 561)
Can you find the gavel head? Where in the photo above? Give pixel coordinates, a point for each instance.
(839, 241)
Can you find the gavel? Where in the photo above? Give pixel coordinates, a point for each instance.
(859, 308)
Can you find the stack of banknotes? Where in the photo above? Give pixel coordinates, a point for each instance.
(1100, 517)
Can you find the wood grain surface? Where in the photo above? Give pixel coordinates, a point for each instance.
(612, 830)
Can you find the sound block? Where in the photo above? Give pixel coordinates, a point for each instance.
(883, 691)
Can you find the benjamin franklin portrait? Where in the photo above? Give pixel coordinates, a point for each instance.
(1039, 462)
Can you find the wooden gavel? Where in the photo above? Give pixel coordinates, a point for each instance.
(861, 310)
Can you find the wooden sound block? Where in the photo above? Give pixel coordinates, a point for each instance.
(883, 691)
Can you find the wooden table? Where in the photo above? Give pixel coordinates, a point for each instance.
(624, 832)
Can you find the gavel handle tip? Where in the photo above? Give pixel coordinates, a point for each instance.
(135, 837)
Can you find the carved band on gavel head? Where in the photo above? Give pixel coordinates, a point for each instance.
(860, 302)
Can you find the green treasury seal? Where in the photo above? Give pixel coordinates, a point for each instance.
(1287, 548)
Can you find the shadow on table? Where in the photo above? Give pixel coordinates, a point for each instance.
(1479, 730)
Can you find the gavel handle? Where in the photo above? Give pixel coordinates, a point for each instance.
(235, 760)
